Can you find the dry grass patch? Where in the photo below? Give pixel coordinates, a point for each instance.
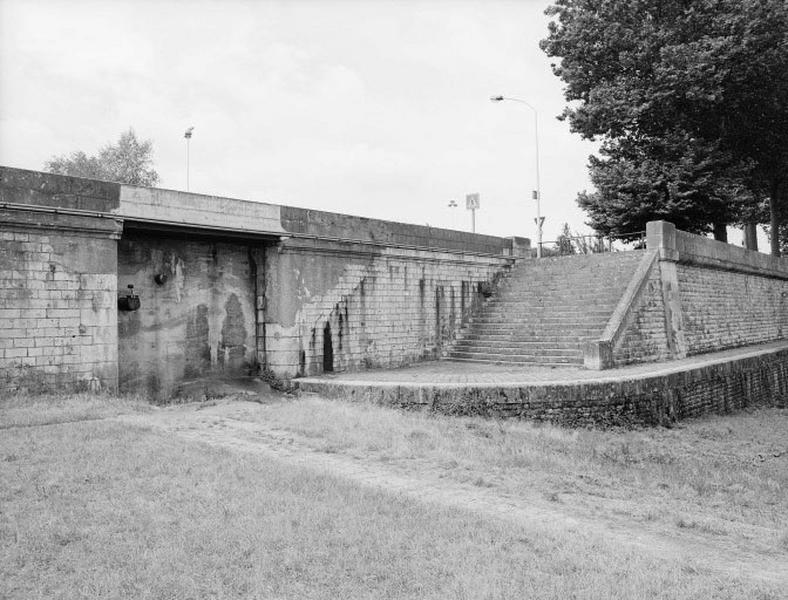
(24, 410)
(722, 475)
(100, 509)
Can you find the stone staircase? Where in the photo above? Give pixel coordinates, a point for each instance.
(546, 309)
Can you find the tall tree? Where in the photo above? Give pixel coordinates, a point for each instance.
(128, 161)
(690, 98)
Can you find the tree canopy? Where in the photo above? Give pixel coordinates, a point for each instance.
(128, 161)
(690, 99)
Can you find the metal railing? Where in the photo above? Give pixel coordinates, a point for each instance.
(594, 244)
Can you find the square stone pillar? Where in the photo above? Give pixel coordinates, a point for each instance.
(661, 236)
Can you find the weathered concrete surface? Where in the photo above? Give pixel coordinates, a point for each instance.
(19, 186)
(336, 226)
(198, 320)
(647, 394)
(170, 207)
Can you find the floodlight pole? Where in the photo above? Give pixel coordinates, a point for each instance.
(188, 136)
(539, 220)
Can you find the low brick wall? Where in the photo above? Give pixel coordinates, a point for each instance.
(722, 386)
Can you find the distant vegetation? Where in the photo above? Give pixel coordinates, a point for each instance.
(127, 161)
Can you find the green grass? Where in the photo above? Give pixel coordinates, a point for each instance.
(101, 509)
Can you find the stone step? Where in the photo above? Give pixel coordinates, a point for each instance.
(528, 345)
(529, 295)
(538, 304)
(506, 349)
(552, 339)
(576, 290)
(544, 310)
(544, 363)
(532, 332)
(516, 358)
(535, 319)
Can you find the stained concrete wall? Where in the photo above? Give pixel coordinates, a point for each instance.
(198, 320)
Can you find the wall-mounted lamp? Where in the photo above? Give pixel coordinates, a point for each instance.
(130, 301)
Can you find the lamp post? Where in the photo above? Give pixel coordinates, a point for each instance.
(537, 194)
(188, 136)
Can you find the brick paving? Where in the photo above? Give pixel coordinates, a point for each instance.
(450, 373)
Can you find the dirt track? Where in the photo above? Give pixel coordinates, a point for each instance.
(223, 425)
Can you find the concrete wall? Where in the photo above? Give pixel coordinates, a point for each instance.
(199, 320)
(58, 318)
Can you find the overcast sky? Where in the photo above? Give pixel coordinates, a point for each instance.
(372, 108)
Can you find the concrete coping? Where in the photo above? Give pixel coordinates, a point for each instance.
(689, 248)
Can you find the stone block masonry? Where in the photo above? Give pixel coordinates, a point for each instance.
(227, 287)
(714, 383)
(230, 287)
(698, 296)
(726, 309)
(331, 307)
(58, 301)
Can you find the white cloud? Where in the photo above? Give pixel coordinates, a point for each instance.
(374, 108)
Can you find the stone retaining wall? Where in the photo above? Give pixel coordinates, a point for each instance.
(58, 301)
(246, 285)
(338, 306)
(761, 378)
(699, 296)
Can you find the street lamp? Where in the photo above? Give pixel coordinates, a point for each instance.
(537, 194)
(188, 136)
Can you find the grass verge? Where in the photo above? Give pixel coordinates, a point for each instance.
(98, 509)
(23, 410)
(720, 475)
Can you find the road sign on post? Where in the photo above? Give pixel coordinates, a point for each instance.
(472, 204)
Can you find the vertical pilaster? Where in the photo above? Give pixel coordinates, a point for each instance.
(661, 236)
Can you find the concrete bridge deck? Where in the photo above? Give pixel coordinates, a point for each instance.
(639, 394)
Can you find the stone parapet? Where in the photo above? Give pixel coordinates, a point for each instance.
(688, 248)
